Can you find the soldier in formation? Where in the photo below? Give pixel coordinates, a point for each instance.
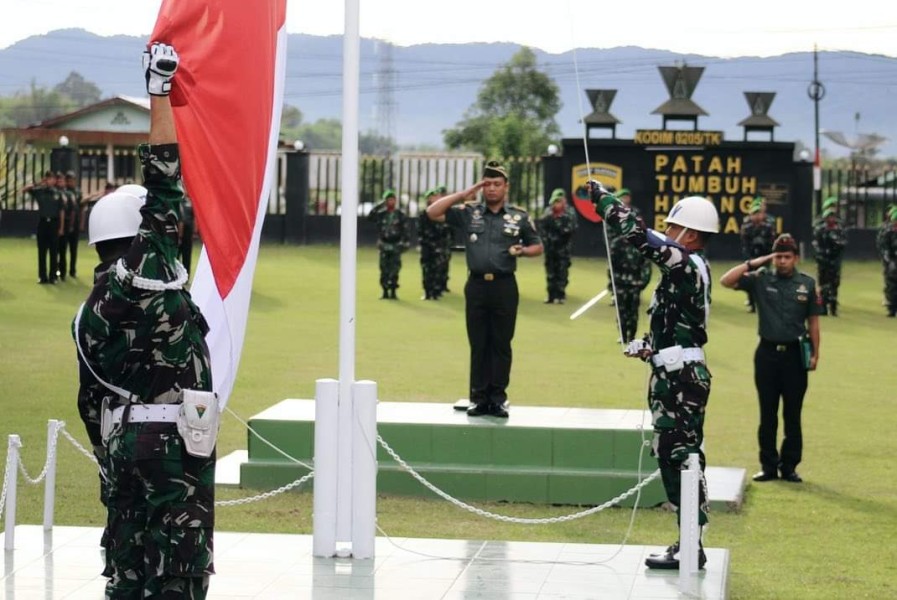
(392, 240)
(50, 218)
(435, 249)
(886, 242)
(556, 228)
(757, 236)
(829, 240)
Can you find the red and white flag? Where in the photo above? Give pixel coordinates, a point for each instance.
(227, 99)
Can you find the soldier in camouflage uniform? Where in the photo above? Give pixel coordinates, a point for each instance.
(757, 236)
(632, 273)
(886, 243)
(392, 240)
(72, 233)
(680, 380)
(829, 240)
(445, 257)
(433, 250)
(556, 228)
(141, 337)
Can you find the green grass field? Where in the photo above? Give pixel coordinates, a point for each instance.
(835, 536)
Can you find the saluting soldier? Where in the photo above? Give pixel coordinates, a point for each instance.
(50, 217)
(443, 264)
(757, 236)
(788, 308)
(392, 240)
(829, 240)
(556, 228)
(496, 234)
(73, 223)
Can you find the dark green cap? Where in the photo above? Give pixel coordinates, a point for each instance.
(430, 192)
(830, 201)
(388, 194)
(623, 192)
(828, 212)
(557, 194)
(440, 189)
(756, 206)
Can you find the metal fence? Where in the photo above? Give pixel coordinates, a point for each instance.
(411, 175)
(863, 195)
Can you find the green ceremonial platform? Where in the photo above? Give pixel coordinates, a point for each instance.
(544, 455)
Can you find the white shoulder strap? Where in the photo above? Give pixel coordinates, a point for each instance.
(705, 277)
(120, 391)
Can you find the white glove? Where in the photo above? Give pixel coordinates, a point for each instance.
(637, 348)
(159, 65)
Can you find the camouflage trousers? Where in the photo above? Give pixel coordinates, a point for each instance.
(677, 402)
(829, 280)
(434, 268)
(890, 276)
(390, 265)
(160, 515)
(628, 298)
(557, 273)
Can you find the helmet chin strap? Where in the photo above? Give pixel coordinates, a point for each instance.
(681, 233)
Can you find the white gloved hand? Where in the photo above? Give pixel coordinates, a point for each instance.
(637, 348)
(160, 63)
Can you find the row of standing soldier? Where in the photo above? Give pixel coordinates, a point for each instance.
(60, 217)
(886, 244)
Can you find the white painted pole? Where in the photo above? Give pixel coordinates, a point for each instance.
(50, 478)
(11, 481)
(689, 530)
(348, 250)
(326, 444)
(364, 467)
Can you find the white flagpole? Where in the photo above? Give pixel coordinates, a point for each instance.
(348, 267)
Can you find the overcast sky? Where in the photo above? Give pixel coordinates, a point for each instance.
(711, 28)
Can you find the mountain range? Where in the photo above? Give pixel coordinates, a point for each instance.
(416, 92)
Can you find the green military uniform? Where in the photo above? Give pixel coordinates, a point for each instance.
(50, 212)
(632, 273)
(757, 237)
(491, 294)
(392, 240)
(886, 243)
(435, 250)
(556, 230)
(784, 304)
(147, 338)
(829, 240)
(72, 231)
(678, 317)
(188, 228)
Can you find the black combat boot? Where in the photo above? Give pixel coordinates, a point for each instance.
(385, 295)
(670, 558)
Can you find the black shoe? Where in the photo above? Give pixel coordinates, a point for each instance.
(392, 294)
(791, 476)
(385, 295)
(670, 559)
(549, 300)
(765, 476)
(479, 410)
(499, 410)
(834, 309)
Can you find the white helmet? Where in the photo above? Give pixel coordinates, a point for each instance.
(133, 189)
(696, 213)
(114, 216)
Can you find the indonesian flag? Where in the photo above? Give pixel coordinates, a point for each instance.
(227, 99)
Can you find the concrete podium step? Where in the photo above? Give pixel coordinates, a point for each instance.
(540, 454)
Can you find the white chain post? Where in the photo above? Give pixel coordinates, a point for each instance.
(10, 480)
(689, 530)
(53, 427)
(326, 467)
(364, 469)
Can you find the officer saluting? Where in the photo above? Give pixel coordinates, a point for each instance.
(788, 307)
(495, 235)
